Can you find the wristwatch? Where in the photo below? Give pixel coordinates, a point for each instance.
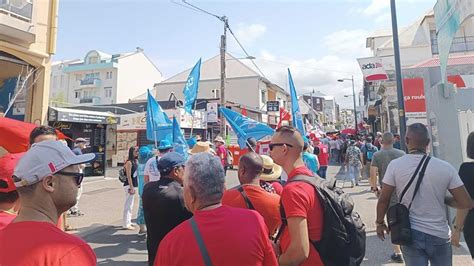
(456, 228)
(379, 223)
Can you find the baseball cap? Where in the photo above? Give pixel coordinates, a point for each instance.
(7, 164)
(46, 158)
(165, 144)
(170, 160)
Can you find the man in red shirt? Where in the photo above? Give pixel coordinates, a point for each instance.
(226, 235)
(47, 178)
(221, 151)
(265, 203)
(302, 207)
(322, 151)
(9, 202)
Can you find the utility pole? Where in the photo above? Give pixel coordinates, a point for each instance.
(223, 51)
(355, 106)
(312, 107)
(398, 75)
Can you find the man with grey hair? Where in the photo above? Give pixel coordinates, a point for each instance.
(216, 234)
(378, 167)
(428, 219)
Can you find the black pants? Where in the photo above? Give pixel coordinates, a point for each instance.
(469, 232)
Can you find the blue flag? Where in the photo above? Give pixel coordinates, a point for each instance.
(158, 125)
(295, 108)
(190, 90)
(245, 127)
(179, 142)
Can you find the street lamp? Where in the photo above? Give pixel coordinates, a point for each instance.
(243, 58)
(354, 98)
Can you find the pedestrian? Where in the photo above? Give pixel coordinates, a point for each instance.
(378, 140)
(427, 209)
(163, 202)
(9, 203)
(304, 214)
(216, 234)
(368, 149)
(310, 160)
(47, 178)
(80, 145)
(353, 163)
(397, 144)
(130, 185)
(322, 151)
(333, 149)
(249, 195)
(465, 217)
(221, 152)
(271, 174)
(378, 167)
(152, 173)
(144, 154)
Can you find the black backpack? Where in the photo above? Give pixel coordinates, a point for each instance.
(343, 237)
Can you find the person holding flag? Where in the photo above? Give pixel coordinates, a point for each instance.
(295, 107)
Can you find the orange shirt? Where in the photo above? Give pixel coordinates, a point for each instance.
(42, 243)
(265, 203)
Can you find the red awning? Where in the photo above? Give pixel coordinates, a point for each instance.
(348, 131)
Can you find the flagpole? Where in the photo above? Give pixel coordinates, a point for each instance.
(192, 118)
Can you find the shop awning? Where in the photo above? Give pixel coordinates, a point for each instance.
(81, 116)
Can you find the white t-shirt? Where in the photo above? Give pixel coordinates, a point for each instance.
(151, 169)
(428, 211)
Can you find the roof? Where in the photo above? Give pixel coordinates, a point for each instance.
(452, 61)
(210, 70)
(82, 111)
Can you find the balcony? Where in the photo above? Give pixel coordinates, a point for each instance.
(460, 45)
(89, 83)
(16, 21)
(93, 100)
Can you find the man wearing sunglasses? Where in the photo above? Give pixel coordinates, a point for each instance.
(303, 210)
(47, 178)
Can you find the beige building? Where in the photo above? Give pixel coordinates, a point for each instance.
(27, 40)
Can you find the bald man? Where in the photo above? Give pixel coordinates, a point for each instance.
(251, 196)
(302, 207)
(428, 220)
(378, 167)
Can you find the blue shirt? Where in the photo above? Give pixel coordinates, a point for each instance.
(77, 151)
(310, 161)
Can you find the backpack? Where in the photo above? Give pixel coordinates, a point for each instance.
(122, 175)
(369, 152)
(343, 237)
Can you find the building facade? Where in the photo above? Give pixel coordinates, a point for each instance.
(27, 41)
(102, 78)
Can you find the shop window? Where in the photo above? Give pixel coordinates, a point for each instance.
(77, 94)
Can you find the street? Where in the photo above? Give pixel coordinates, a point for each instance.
(102, 203)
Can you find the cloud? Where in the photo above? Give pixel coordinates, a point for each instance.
(385, 19)
(376, 7)
(249, 34)
(347, 42)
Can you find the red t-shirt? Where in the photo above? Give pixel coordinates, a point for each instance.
(222, 153)
(5, 219)
(42, 243)
(265, 203)
(299, 200)
(276, 186)
(233, 236)
(323, 155)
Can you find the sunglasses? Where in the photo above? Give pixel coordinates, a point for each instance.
(273, 145)
(77, 176)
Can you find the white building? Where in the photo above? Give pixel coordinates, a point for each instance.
(330, 111)
(101, 78)
(243, 85)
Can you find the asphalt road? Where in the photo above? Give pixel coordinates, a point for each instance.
(102, 203)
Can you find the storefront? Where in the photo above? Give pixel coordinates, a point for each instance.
(98, 128)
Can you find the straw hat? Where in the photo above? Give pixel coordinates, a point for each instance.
(271, 171)
(201, 147)
(219, 139)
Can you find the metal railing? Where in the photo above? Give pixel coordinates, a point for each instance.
(20, 9)
(90, 81)
(460, 44)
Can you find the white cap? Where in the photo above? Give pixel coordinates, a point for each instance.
(46, 158)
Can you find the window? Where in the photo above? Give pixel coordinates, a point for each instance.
(86, 94)
(93, 59)
(264, 96)
(108, 92)
(92, 75)
(78, 94)
(109, 75)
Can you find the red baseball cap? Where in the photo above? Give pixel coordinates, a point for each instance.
(7, 165)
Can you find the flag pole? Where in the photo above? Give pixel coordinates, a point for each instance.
(192, 118)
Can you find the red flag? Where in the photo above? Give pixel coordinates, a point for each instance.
(244, 111)
(15, 135)
(284, 115)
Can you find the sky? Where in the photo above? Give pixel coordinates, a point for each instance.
(319, 40)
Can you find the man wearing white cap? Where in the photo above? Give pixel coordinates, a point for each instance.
(47, 178)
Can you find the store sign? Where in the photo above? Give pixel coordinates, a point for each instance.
(211, 112)
(78, 117)
(132, 122)
(414, 97)
(273, 106)
(264, 118)
(372, 69)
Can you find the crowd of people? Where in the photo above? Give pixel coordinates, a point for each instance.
(190, 217)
